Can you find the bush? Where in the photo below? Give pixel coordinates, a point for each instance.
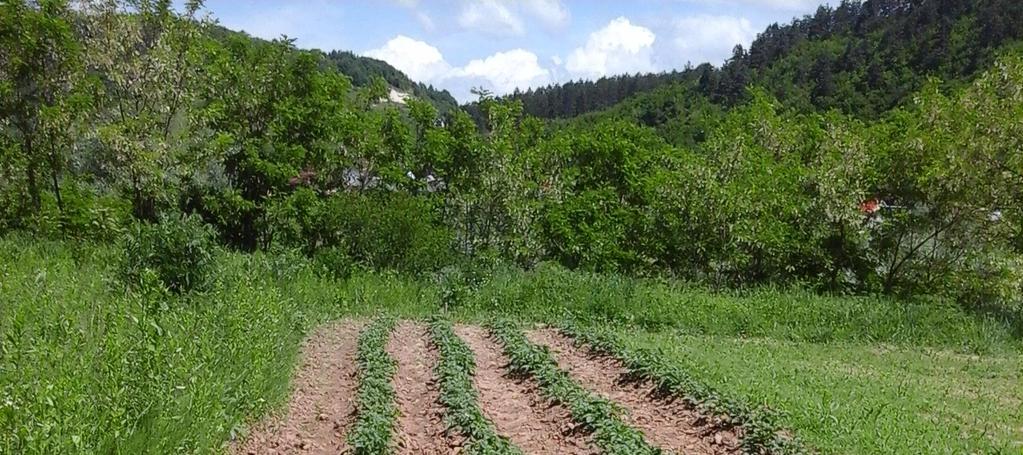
(378, 230)
(177, 252)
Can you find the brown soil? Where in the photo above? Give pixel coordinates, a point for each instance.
(515, 405)
(320, 411)
(672, 425)
(421, 428)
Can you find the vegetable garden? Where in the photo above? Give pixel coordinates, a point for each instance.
(592, 423)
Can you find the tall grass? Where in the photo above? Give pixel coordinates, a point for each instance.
(88, 368)
(553, 293)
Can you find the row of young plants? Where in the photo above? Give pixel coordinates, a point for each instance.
(761, 430)
(455, 372)
(376, 411)
(596, 415)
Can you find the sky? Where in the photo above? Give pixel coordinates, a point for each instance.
(501, 45)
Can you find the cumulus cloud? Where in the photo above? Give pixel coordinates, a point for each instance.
(419, 60)
(706, 38)
(506, 71)
(492, 17)
(618, 48)
(501, 72)
(551, 13)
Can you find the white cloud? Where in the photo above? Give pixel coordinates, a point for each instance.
(501, 72)
(491, 17)
(618, 48)
(504, 18)
(705, 38)
(419, 60)
(551, 13)
(506, 71)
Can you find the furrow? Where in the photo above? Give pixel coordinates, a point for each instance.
(515, 405)
(670, 424)
(319, 414)
(421, 428)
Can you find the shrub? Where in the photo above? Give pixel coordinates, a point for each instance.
(178, 252)
(378, 230)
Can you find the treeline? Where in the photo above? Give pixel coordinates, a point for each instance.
(112, 119)
(861, 57)
(575, 98)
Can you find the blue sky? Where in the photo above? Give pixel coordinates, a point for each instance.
(504, 44)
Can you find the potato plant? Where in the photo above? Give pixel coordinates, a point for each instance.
(595, 414)
(376, 411)
(455, 371)
(761, 433)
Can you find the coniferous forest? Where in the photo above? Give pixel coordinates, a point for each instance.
(181, 204)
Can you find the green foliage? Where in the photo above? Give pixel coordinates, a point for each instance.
(760, 430)
(363, 69)
(375, 409)
(177, 252)
(595, 414)
(378, 230)
(455, 372)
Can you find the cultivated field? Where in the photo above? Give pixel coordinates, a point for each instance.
(504, 390)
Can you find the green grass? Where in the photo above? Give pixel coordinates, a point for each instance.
(85, 368)
(862, 398)
(551, 294)
(375, 409)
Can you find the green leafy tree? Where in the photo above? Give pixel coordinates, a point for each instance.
(44, 90)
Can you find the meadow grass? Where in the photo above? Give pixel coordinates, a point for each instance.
(87, 368)
(551, 294)
(862, 398)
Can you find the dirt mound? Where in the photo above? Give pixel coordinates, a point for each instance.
(421, 428)
(669, 424)
(320, 411)
(515, 405)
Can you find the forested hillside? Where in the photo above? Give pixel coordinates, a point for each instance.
(860, 57)
(364, 71)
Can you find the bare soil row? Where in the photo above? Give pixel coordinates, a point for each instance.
(321, 409)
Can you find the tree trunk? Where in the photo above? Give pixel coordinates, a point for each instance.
(33, 183)
(56, 191)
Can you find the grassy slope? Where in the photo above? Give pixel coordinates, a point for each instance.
(86, 368)
(864, 398)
